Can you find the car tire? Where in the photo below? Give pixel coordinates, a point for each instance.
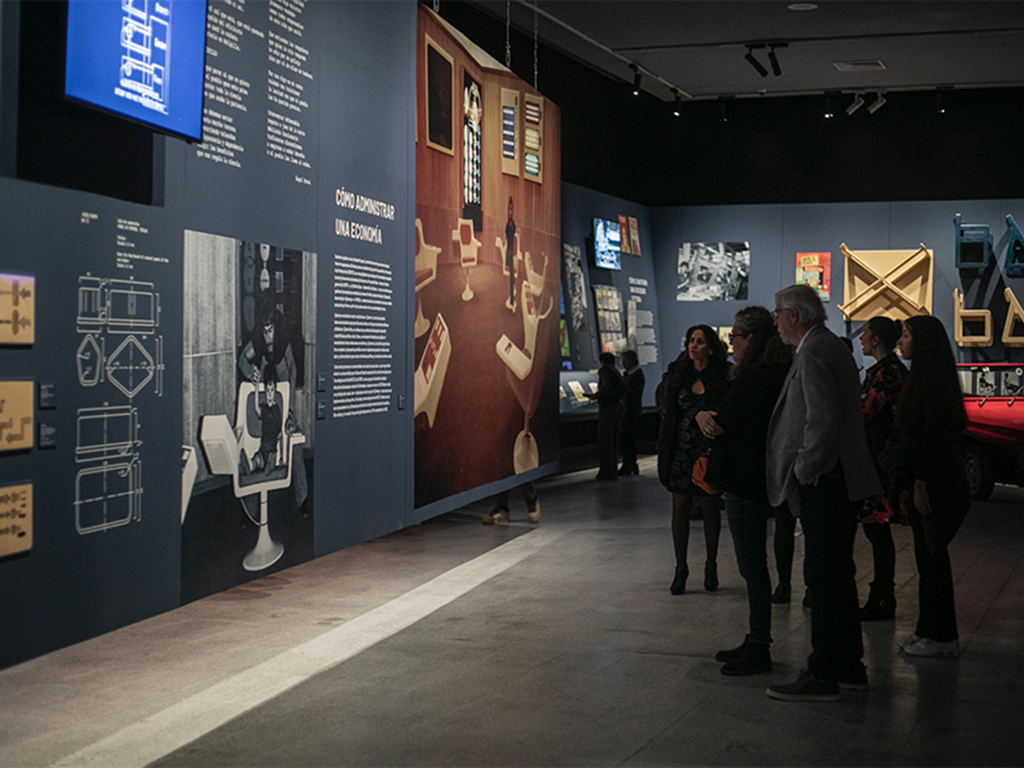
(980, 477)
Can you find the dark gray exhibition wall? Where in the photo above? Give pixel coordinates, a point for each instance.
(262, 229)
(579, 208)
(776, 233)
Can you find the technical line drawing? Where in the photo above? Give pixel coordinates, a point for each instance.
(108, 492)
(108, 496)
(122, 306)
(119, 307)
(145, 38)
(109, 432)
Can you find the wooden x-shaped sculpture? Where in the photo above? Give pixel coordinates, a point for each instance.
(895, 283)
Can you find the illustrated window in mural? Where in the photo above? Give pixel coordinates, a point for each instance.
(472, 121)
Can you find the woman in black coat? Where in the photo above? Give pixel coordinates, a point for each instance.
(739, 429)
(695, 382)
(924, 460)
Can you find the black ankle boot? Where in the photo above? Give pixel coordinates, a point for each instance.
(732, 654)
(679, 582)
(711, 576)
(782, 593)
(881, 604)
(756, 658)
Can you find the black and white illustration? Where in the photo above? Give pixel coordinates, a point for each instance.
(576, 288)
(713, 271)
(247, 461)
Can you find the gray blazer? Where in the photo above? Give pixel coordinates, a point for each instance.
(817, 421)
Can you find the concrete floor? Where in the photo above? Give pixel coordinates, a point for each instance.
(454, 643)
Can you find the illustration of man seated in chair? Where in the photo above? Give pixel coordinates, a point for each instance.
(268, 408)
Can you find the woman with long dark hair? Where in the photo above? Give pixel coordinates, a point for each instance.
(924, 460)
(739, 429)
(879, 393)
(694, 382)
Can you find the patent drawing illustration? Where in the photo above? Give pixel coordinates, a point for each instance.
(128, 308)
(146, 44)
(108, 491)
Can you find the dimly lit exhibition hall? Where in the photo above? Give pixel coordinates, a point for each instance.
(511, 383)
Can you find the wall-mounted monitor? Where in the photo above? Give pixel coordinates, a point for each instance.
(607, 244)
(140, 59)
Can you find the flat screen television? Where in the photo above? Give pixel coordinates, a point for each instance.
(140, 59)
(607, 244)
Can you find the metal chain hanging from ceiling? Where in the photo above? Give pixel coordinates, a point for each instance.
(535, 47)
(508, 27)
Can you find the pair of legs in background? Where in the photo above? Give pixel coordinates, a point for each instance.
(682, 505)
(500, 514)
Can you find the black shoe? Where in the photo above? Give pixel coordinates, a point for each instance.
(731, 654)
(679, 582)
(782, 593)
(855, 679)
(806, 602)
(805, 688)
(711, 576)
(880, 606)
(755, 659)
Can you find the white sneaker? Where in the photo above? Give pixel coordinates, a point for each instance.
(534, 514)
(949, 649)
(912, 640)
(498, 517)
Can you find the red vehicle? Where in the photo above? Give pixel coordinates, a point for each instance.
(993, 449)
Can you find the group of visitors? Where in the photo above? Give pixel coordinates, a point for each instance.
(788, 430)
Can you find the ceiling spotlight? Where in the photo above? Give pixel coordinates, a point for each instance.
(722, 117)
(678, 109)
(636, 79)
(940, 105)
(878, 103)
(773, 59)
(829, 114)
(858, 102)
(754, 62)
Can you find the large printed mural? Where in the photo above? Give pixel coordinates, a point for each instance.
(487, 256)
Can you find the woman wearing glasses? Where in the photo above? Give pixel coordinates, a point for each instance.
(739, 429)
(694, 382)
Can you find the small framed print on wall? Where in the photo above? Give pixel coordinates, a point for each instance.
(440, 68)
(509, 132)
(533, 138)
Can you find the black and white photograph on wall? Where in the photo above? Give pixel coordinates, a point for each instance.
(575, 287)
(713, 272)
(248, 416)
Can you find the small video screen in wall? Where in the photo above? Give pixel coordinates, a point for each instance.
(140, 59)
(607, 244)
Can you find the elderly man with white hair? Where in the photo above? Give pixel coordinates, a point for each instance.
(818, 461)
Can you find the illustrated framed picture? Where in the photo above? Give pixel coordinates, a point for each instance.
(440, 68)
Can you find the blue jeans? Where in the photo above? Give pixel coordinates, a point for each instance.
(748, 523)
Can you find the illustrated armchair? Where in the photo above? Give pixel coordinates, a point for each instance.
(469, 251)
(426, 273)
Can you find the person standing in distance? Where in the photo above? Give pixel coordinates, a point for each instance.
(634, 379)
(818, 462)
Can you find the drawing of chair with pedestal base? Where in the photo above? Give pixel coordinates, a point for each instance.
(469, 251)
(526, 387)
(426, 273)
(225, 449)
